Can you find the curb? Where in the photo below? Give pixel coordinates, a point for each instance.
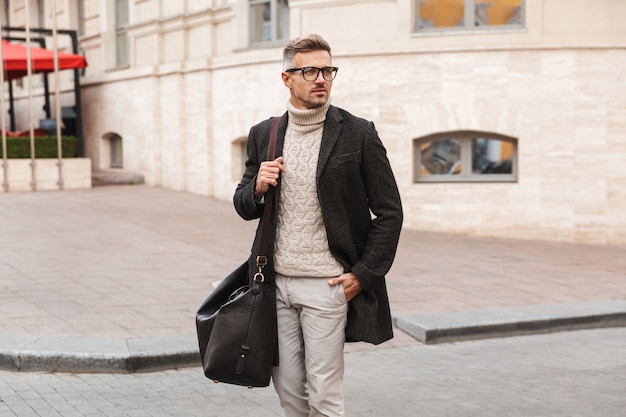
(80, 355)
(513, 321)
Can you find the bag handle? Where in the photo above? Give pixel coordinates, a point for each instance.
(261, 259)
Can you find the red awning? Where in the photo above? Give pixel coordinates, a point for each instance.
(15, 60)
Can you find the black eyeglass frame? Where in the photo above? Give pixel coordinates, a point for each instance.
(334, 71)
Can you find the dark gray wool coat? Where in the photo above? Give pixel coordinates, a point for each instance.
(360, 206)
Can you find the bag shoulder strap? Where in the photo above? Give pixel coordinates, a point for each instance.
(261, 259)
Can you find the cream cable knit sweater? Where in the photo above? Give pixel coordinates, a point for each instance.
(301, 244)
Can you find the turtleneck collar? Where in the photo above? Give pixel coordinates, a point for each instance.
(307, 117)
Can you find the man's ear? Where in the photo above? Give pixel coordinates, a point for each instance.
(286, 79)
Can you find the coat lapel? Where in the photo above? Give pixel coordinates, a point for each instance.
(332, 129)
(280, 135)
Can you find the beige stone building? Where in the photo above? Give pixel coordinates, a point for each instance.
(501, 117)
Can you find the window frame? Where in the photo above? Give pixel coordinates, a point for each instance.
(466, 174)
(469, 24)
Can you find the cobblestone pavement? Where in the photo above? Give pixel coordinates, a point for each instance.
(133, 263)
(567, 374)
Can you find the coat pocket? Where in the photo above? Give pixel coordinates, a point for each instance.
(345, 158)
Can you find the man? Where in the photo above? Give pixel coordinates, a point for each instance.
(335, 227)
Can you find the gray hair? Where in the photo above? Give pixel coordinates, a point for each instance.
(309, 43)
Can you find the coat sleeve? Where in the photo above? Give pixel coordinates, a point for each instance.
(385, 205)
(243, 199)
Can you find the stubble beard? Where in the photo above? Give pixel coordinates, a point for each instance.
(314, 102)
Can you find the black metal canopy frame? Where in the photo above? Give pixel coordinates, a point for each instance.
(77, 100)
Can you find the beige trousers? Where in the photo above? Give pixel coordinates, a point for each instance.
(311, 335)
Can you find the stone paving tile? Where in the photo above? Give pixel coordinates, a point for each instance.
(136, 261)
(566, 374)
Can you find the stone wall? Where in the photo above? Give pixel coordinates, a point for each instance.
(194, 88)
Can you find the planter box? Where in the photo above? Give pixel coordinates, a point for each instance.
(45, 147)
(76, 174)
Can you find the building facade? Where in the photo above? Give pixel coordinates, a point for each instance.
(502, 118)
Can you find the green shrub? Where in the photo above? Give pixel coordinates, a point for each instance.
(45, 147)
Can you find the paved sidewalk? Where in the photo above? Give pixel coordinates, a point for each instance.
(109, 279)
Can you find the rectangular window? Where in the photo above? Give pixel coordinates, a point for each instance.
(121, 36)
(81, 17)
(269, 20)
(441, 15)
(260, 19)
(121, 45)
(6, 12)
(41, 14)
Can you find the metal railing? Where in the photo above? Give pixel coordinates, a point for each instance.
(54, 32)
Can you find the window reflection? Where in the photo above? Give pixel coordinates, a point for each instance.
(498, 12)
(442, 157)
(283, 19)
(491, 156)
(451, 13)
(260, 20)
(269, 20)
(441, 13)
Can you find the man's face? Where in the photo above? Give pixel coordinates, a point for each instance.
(308, 94)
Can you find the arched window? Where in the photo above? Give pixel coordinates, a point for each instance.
(113, 156)
(464, 156)
(239, 154)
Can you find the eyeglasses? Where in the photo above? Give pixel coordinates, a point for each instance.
(311, 73)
